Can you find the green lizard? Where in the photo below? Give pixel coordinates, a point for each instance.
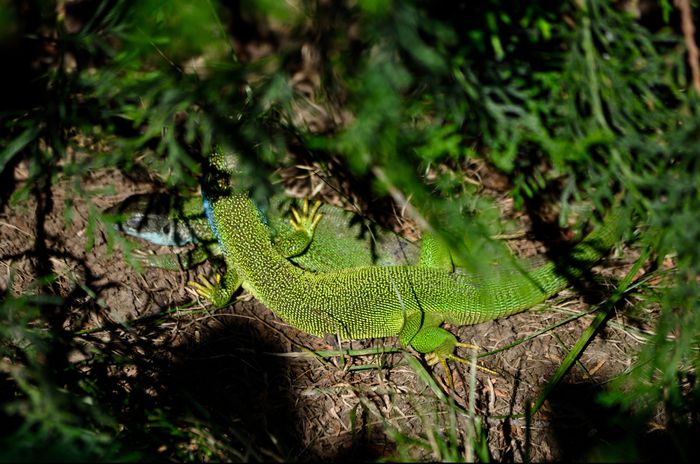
(341, 240)
(373, 301)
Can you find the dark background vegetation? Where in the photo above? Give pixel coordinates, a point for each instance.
(567, 101)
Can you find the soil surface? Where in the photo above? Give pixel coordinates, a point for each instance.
(241, 382)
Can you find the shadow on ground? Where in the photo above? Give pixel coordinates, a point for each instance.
(223, 391)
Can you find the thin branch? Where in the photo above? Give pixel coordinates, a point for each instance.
(689, 34)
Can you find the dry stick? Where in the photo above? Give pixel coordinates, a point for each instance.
(689, 34)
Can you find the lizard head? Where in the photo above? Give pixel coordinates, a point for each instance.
(154, 218)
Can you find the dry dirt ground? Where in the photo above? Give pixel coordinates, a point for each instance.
(241, 383)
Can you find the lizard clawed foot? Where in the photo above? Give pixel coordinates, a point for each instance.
(466, 361)
(145, 258)
(468, 345)
(435, 357)
(307, 220)
(206, 289)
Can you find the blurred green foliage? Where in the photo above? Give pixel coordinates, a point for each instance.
(571, 101)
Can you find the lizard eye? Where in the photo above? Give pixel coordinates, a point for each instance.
(134, 221)
(166, 229)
